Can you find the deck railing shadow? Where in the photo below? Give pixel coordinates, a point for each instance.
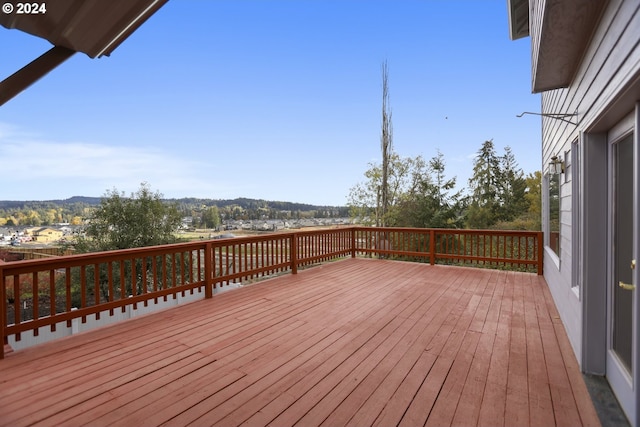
(54, 292)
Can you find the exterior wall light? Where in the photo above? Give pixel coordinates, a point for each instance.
(556, 165)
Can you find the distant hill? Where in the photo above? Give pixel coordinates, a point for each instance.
(21, 204)
(243, 202)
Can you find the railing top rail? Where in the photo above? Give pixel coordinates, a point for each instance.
(449, 230)
(105, 256)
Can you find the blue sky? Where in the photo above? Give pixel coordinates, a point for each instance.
(277, 100)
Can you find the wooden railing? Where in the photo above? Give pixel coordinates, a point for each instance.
(500, 249)
(37, 253)
(44, 292)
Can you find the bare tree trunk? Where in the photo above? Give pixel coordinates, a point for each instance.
(386, 144)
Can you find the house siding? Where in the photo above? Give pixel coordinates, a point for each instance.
(611, 62)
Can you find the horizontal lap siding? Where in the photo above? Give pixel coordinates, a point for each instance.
(609, 63)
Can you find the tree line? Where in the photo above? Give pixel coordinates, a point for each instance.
(412, 192)
(420, 194)
(77, 210)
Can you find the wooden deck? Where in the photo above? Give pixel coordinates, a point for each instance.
(357, 342)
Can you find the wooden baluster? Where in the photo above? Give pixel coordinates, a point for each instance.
(35, 309)
(52, 297)
(3, 314)
(83, 290)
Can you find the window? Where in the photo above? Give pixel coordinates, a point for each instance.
(568, 170)
(576, 216)
(553, 213)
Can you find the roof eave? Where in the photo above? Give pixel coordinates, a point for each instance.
(93, 27)
(559, 42)
(518, 18)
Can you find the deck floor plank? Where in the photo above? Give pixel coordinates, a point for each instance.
(363, 405)
(275, 370)
(492, 409)
(517, 402)
(313, 369)
(540, 404)
(356, 342)
(467, 413)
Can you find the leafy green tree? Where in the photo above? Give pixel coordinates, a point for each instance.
(404, 177)
(435, 205)
(121, 222)
(128, 222)
(210, 217)
(33, 218)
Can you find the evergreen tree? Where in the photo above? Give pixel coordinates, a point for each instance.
(512, 189)
(484, 185)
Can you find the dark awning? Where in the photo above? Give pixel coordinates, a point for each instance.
(560, 31)
(93, 27)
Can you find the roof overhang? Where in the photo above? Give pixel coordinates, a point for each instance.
(518, 18)
(560, 31)
(93, 27)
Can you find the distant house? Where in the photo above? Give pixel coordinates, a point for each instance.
(5, 234)
(14, 235)
(586, 64)
(46, 235)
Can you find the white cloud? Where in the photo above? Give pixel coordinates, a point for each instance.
(33, 168)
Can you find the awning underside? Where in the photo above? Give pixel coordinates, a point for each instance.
(93, 27)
